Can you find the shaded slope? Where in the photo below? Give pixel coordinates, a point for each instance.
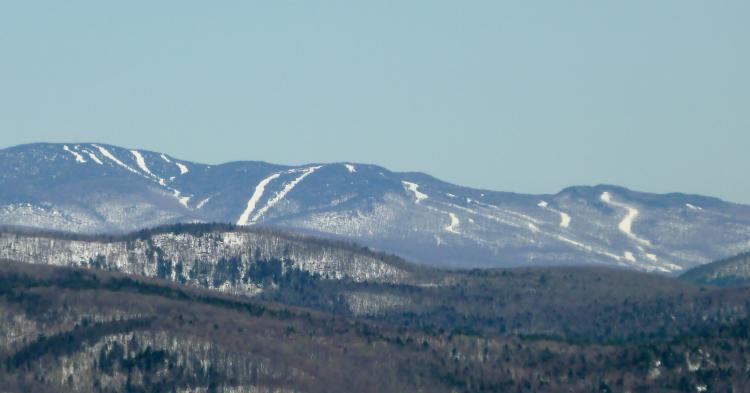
(726, 272)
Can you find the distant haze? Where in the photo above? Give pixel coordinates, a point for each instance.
(524, 96)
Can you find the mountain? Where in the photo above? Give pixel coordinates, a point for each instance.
(95, 188)
(730, 271)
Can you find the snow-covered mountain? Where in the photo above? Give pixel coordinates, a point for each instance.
(94, 188)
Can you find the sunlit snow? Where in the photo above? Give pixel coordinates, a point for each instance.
(259, 189)
(287, 188)
(183, 168)
(109, 155)
(93, 156)
(202, 203)
(564, 217)
(414, 187)
(453, 226)
(141, 162)
(626, 224)
(78, 156)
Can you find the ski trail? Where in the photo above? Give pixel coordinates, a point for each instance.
(502, 220)
(182, 199)
(78, 156)
(202, 203)
(453, 226)
(529, 225)
(693, 207)
(587, 247)
(564, 220)
(287, 188)
(114, 159)
(163, 157)
(142, 162)
(259, 189)
(93, 156)
(564, 217)
(414, 187)
(626, 225)
(506, 212)
(183, 168)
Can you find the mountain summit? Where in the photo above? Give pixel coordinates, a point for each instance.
(91, 188)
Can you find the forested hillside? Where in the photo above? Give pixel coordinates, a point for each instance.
(726, 272)
(574, 303)
(66, 329)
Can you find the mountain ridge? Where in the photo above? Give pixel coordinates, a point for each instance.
(425, 175)
(94, 188)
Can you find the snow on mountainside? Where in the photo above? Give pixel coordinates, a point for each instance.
(93, 188)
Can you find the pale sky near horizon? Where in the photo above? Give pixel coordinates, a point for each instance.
(516, 96)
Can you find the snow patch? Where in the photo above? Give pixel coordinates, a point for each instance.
(629, 256)
(350, 168)
(453, 226)
(78, 156)
(163, 157)
(183, 168)
(543, 204)
(693, 207)
(259, 189)
(414, 187)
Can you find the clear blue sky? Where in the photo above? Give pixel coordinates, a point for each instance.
(526, 96)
